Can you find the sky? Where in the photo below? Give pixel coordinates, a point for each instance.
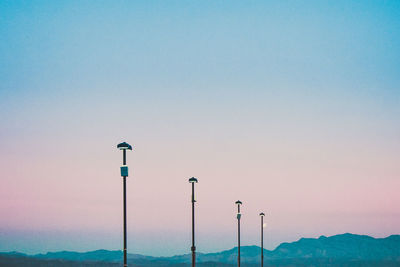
(292, 107)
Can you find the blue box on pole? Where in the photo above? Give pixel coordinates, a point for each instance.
(124, 170)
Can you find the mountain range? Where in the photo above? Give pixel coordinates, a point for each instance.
(338, 250)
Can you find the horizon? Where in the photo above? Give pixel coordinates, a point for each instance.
(291, 107)
(200, 252)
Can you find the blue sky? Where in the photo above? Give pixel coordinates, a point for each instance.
(294, 103)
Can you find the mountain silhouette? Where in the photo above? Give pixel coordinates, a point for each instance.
(339, 250)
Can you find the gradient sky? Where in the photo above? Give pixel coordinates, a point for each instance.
(292, 107)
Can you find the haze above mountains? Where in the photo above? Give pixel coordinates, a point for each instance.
(338, 250)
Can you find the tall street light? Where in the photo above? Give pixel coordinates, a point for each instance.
(262, 238)
(124, 173)
(193, 181)
(238, 218)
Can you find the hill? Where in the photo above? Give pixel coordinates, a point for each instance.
(339, 250)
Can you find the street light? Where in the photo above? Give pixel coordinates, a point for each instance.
(262, 238)
(124, 173)
(193, 181)
(238, 218)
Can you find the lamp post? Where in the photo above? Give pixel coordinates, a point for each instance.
(193, 248)
(124, 173)
(262, 238)
(238, 218)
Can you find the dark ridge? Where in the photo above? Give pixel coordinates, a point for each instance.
(338, 250)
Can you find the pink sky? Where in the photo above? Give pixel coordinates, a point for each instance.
(314, 182)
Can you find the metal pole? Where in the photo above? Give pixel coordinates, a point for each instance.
(125, 251)
(238, 236)
(193, 243)
(262, 241)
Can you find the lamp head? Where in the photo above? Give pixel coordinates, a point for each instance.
(124, 146)
(192, 180)
(238, 202)
(262, 214)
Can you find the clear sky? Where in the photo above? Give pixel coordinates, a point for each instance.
(293, 107)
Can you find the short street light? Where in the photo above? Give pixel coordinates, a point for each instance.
(262, 238)
(193, 248)
(124, 173)
(238, 218)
